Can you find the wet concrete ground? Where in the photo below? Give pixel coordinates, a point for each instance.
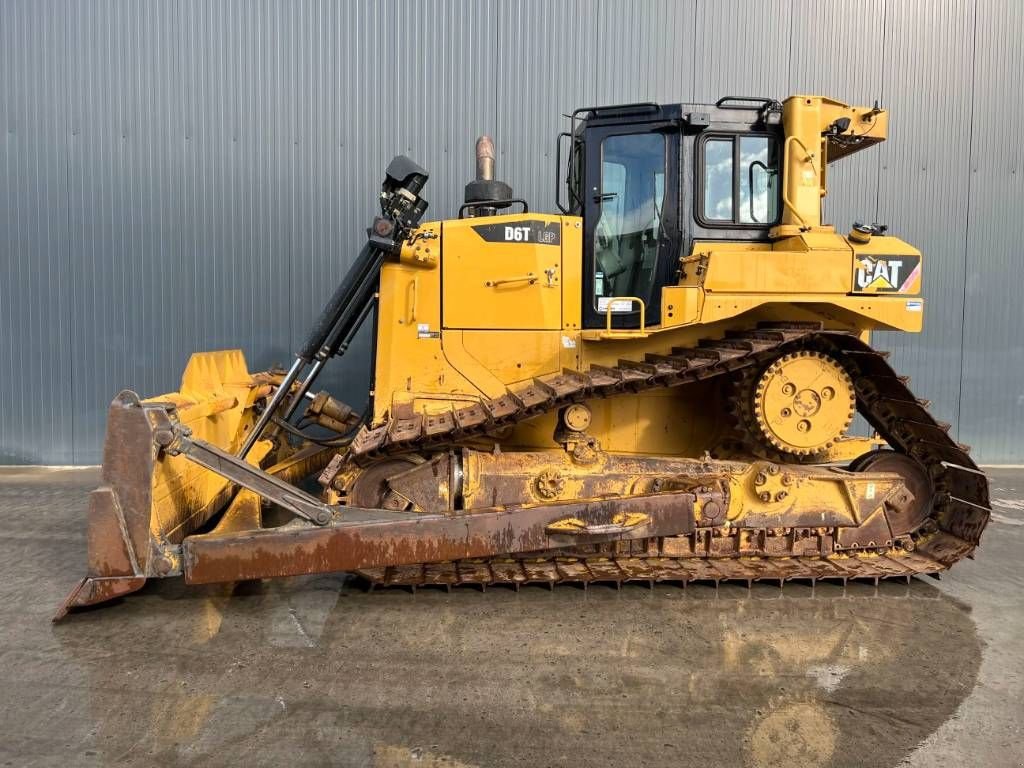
(315, 671)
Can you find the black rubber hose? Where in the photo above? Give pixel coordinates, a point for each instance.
(336, 442)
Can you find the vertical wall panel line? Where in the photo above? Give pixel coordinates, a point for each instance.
(881, 102)
(66, 305)
(967, 212)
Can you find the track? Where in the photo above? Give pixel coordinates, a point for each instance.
(959, 513)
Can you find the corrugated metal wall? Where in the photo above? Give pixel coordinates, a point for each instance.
(187, 175)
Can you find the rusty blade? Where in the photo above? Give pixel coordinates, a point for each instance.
(129, 538)
(347, 546)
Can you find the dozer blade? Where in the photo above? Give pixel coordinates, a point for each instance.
(148, 500)
(170, 468)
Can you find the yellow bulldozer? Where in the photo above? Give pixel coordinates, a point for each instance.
(656, 383)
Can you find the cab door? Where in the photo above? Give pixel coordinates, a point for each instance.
(631, 226)
(502, 273)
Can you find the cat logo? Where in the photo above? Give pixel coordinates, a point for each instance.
(887, 274)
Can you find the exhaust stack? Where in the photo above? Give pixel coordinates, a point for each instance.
(485, 196)
(485, 158)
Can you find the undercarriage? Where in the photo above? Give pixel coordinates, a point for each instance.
(435, 500)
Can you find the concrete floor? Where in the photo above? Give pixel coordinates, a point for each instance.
(314, 671)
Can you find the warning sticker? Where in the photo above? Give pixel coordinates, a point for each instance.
(617, 305)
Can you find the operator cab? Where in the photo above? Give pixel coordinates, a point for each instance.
(650, 179)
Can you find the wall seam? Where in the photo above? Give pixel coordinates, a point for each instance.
(66, 305)
(967, 216)
(496, 9)
(881, 101)
(693, 47)
(789, 59)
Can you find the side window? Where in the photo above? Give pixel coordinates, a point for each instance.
(740, 175)
(759, 184)
(718, 175)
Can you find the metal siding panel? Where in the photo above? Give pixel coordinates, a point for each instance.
(35, 404)
(838, 54)
(202, 173)
(546, 64)
(645, 51)
(992, 398)
(737, 48)
(161, 171)
(922, 194)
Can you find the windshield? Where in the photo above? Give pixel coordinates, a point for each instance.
(631, 201)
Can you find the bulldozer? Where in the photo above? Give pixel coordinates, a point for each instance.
(655, 383)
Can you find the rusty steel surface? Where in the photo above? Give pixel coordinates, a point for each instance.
(622, 568)
(350, 546)
(118, 534)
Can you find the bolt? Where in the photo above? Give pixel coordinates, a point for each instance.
(761, 479)
(786, 413)
(804, 425)
(787, 479)
(764, 496)
(163, 437)
(711, 512)
(781, 496)
(773, 469)
(788, 389)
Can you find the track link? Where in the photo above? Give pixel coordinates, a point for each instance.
(960, 507)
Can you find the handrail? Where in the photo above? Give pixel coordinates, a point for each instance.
(499, 204)
(611, 303)
(558, 171)
(528, 277)
(414, 289)
(736, 102)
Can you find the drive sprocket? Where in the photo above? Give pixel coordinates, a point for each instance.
(798, 405)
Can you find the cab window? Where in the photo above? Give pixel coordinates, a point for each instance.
(740, 180)
(631, 200)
